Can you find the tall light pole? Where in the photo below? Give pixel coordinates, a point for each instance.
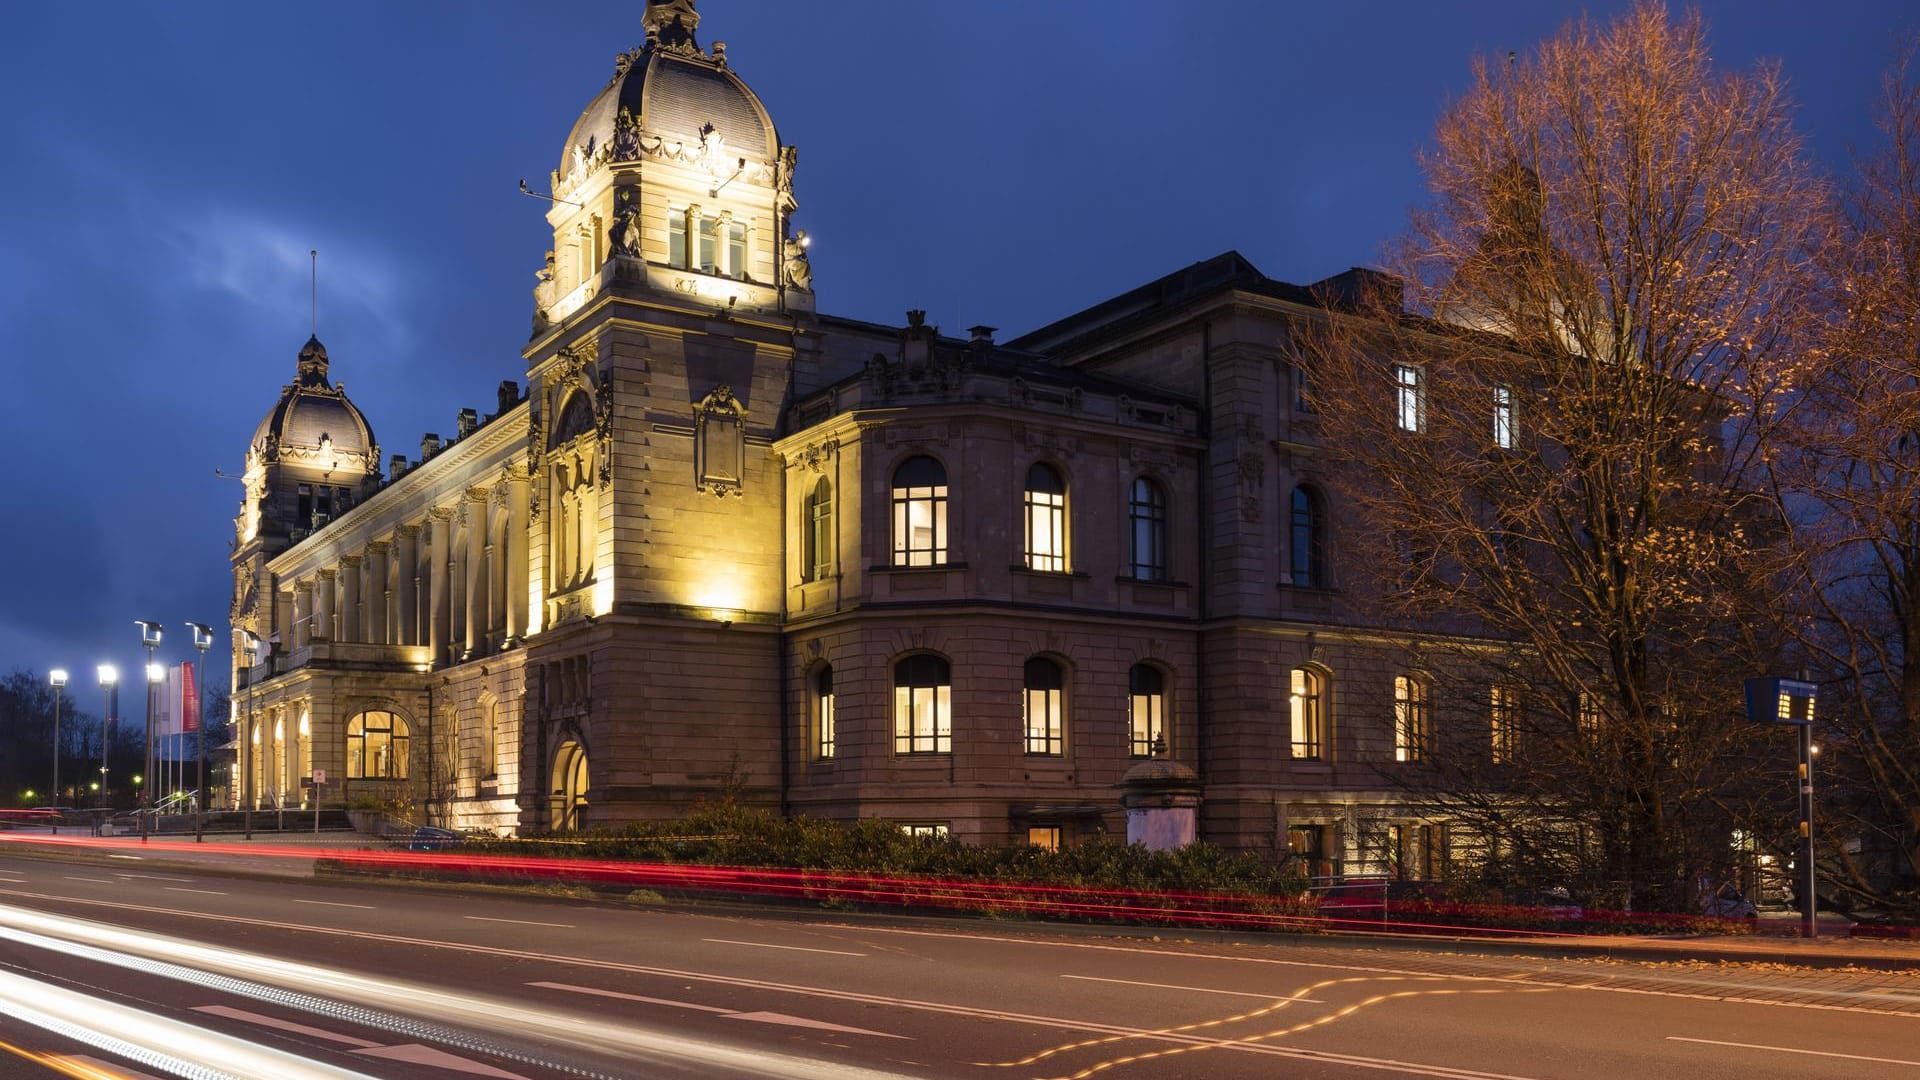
(109, 686)
(149, 637)
(249, 755)
(58, 677)
(202, 641)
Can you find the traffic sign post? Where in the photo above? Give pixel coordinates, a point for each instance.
(319, 781)
(1790, 701)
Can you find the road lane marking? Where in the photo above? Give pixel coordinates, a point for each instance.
(284, 1025)
(209, 892)
(1793, 1050)
(759, 1016)
(789, 948)
(133, 858)
(335, 903)
(1190, 989)
(416, 1054)
(96, 880)
(152, 877)
(522, 922)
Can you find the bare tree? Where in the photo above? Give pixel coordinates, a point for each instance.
(1850, 480)
(1551, 443)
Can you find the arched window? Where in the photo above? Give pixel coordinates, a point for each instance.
(490, 741)
(376, 747)
(570, 786)
(1307, 713)
(1307, 544)
(1046, 511)
(576, 419)
(816, 524)
(1411, 708)
(1045, 686)
(1146, 710)
(1147, 518)
(823, 713)
(922, 705)
(920, 512)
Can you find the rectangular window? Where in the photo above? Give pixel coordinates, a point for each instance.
(923, 719)
(823, 715)
(1044, 836)
(1501, 718)
(737, 250)
(1589, 715)
(1308, 846)
(305, 516)
(1043, 708)
(1146, 706)
(920, 525)
(1047, 531)
(707, 227)
(1306, 702)
(1503, 429)
(929, 830)
(677, 238)
(1409, 718)
(1409, 398)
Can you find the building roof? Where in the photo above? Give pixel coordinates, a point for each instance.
(311, 410)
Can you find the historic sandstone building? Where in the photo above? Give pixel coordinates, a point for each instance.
(723, 544)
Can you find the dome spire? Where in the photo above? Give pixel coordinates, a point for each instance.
(313, 363)
(671, 23)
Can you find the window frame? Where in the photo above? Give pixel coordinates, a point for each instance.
(908, 695)
(1502, 715)
(1308, 698)
(677, 219)
(1410, 397)
(822, 713)
(1047, 737)
(1412, 717)
(901, 506)
(817, 547)
(1149, 514)
(397, 743)
(1307, 539)
(1506, 430)
(1044, 518)
(1141, 731)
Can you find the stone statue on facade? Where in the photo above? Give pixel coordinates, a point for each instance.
(798, 271)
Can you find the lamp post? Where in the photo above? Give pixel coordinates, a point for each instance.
(1790, 701)
(202, 641)
(58, 677)
(249, 755)
(149, 637)
(110, 686)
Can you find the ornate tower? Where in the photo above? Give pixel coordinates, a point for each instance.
(311, 459)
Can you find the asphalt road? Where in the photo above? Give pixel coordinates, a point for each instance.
(114, 967)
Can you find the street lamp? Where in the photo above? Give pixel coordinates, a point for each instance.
(202, 641)
(58, 677)
(109, 685)
(149, 637)
(1790, 701)
(249, 740)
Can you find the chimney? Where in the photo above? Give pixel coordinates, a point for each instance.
(466, 423)
(981, 335)
(509, 395)
(396, 467)
(429, 446)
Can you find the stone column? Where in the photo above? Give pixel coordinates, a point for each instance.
(389, 570)
(441, 546)
(348, 627)
(323, 617)
(406, 584)
(518, 537)
(302, 614)
(374, 594)
(476, 510)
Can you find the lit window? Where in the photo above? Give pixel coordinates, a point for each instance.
(925, 830)
(922, 705)
(376, 747)
(816, 554)
(1503, 429)
(737, 250)
(1308, 845)
(1147, 513)
(1146, 710)
(1409, 398)
(1307, 543)
(1044, 836)
(1409, 718)
(677, 238)
(1046, 505)
(1307, 711)
(823, 714)
(1588, 714)
(920, 512)
(1044, 685)
(1503, 714)
(707, 227)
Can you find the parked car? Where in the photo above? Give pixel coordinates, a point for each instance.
(1728, 903)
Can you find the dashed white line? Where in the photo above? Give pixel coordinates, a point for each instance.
(335, 903)
(209, 892)
(95, 880)
(1793, 1050)
(1193, 989)
(521, 922)
(789, 948)
(133, 858)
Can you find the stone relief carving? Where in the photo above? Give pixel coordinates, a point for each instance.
(719, 443)
(798, 271)
(626, 223)
(1253, 473)
(816, 457)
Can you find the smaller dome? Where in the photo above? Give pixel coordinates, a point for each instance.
(313, 416)
(1159, 772)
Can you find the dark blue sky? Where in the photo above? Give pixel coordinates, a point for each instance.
(167, 167)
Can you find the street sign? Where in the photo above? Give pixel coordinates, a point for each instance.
(1780, 701)
(319, 777)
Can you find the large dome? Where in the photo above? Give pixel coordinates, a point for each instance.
(314, 415)
(673, 90)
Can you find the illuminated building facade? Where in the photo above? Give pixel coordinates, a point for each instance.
(724, 545)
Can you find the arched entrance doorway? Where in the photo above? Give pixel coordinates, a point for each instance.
(570, 786)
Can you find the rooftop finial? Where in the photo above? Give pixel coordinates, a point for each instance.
(671, 23)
